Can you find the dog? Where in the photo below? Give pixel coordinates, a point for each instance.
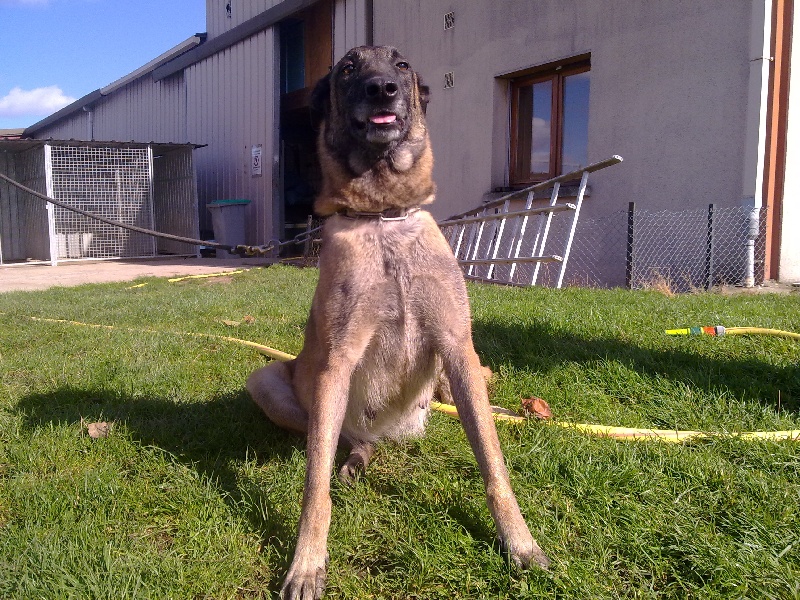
(390, 322)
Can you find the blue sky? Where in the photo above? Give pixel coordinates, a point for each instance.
(55, 51)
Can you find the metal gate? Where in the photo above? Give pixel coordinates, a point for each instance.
(115, 183)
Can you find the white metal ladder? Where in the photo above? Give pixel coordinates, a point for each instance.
(490, 237)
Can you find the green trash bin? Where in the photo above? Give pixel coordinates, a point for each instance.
(227, 219)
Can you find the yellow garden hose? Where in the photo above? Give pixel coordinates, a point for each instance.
(500, 414)
(719, 330)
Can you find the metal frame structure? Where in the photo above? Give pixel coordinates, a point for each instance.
(152, 186)
(498, 237)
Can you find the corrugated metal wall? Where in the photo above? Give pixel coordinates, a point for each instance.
(144, 111)
(23, 220)
(141, 111)
(352, 25)
(175, 199)
(217, 20)
(231, 107)
(74, 127)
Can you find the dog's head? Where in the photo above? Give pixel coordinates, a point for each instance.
(373, 142)
(371, 98)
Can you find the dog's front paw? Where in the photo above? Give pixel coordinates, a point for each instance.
(305, 581)
(525, 553)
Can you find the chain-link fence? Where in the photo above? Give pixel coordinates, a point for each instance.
(685, 250)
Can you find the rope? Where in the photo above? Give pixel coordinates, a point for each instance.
(499, 413)
(241, 249)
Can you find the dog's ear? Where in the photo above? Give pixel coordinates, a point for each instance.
(320, 103)
(424, 93)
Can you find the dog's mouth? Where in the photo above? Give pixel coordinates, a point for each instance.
(379, 126)
(384, 117)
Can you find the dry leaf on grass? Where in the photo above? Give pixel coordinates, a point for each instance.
(249, 319)
(230, 323)
(537, 407)
(98, 430)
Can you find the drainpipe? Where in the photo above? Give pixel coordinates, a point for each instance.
(89, 122)
(756, 127)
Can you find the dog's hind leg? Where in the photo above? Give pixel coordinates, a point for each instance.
(357, 461)
(271, 388)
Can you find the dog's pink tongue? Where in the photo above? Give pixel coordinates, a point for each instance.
(383, 118)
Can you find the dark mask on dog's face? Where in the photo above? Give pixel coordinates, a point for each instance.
(371, 90)
(378, 93)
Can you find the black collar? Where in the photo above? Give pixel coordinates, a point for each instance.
(390, 214)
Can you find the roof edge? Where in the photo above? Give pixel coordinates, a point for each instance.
(92, 97)
(79, 104)
(262, 21)
(167, 56)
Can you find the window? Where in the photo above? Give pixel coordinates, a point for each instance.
(549, 122)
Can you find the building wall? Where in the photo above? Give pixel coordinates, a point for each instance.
(667, 81)
(352, 25)
(144, 111)
(669, 85)
(217, 20)
(225, 102)
(232, 107)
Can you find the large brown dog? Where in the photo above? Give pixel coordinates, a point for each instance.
(390, 315)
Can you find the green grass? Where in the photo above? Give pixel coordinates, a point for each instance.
(195, 495)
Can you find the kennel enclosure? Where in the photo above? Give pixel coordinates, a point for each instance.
(149, 185)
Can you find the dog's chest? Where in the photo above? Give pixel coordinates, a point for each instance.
(394, 379)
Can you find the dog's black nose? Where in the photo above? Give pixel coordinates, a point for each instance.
(379, 87)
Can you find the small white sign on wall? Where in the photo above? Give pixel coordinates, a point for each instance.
(256, 160)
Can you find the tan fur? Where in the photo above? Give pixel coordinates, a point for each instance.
(389, 320)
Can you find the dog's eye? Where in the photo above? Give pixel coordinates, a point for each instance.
(348, 68)
(403, 66)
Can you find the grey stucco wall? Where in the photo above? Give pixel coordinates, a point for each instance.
(668, 91)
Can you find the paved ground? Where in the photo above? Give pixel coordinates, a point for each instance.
(41, 277)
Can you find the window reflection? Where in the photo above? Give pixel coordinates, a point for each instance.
(575, 142)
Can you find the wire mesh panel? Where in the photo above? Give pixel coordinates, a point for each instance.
(111, 182)
(598, 252)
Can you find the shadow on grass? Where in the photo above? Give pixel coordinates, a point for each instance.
(209, 437)
(543, 349)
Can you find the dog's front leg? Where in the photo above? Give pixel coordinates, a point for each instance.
(306, 577)
(463, 369)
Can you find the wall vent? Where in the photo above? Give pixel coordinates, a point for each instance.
(449, 20)
(448, 80)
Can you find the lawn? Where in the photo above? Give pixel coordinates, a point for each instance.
(194, 494)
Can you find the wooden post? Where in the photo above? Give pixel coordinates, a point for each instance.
(629, 248)
(709, 274)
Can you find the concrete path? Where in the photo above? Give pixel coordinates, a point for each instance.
(41, 277)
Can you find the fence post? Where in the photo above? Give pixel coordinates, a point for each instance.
(629, 248)
(709, 279)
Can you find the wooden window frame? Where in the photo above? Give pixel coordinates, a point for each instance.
(556, 73)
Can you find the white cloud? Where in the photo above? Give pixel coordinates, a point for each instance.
(37, 102)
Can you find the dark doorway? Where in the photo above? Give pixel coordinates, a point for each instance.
(306, 56)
